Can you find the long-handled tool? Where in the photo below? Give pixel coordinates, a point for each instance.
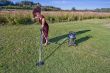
(41, 62)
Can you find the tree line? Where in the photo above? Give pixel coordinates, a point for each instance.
(7, 4)
(25, 4)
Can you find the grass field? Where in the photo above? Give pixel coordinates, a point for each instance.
(19, 48)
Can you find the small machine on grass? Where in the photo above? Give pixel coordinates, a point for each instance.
(72, 39)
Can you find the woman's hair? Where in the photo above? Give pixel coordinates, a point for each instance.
(36, 10)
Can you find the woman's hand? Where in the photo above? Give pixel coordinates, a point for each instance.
(33, 19)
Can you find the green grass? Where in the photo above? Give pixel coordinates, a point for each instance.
(19, 48)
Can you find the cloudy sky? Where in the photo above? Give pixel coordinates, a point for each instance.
(78, 4)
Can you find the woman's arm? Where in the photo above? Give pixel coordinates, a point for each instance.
(34, 18)
(43, 22)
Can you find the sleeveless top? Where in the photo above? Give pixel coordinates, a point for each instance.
(40, 21)
(46, 27)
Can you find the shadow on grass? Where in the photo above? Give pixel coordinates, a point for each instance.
(58, 38)
(53, 51)
(82, 39)
(81, 32)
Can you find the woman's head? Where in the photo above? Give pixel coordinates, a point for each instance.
(37, 11)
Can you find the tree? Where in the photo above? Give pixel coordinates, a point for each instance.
(6, 2)
(37, 4)
(27, 2)
(50, 8)
(24, 3)
(102, 10)
(73, 9)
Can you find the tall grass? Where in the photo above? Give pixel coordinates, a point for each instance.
(74, 16)
(15, 18)
(25, 16)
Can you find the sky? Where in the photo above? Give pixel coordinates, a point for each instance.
(78, 4)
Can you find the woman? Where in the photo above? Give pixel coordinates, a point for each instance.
(44, 25)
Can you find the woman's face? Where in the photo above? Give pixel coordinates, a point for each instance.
(37, 15)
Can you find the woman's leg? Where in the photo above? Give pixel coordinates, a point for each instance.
(45, 32)
(45, 38)
(46, 43)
